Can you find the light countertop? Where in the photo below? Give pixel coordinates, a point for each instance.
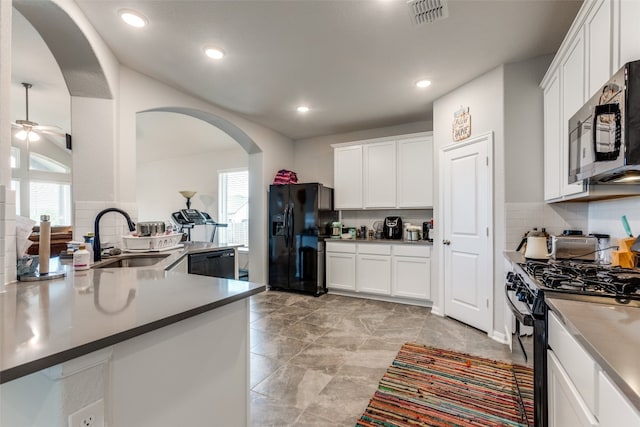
(49, 322)
(383, 241)
(611, 335)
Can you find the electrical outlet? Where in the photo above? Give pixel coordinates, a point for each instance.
(91, 415)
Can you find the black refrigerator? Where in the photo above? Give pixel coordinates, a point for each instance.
(300, 217)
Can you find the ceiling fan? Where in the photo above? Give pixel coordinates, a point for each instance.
(30, 130)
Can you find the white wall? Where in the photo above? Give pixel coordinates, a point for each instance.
(485, 98)
(7, 197)
(523, 130)
(159, 182)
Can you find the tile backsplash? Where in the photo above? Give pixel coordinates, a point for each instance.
(522, 217)
(357, 218)
(605, 217)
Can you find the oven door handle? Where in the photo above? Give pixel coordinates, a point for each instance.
(525, 319)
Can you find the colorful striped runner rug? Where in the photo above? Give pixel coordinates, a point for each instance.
(427, 386)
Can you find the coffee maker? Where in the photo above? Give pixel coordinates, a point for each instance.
(392, 228)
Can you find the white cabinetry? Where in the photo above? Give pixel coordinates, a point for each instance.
(347, 176)
(566, 407)
(603, 37)
(572, 98)
(571, 379)
(597, 29)
(414, 176)
(373, 266)
(626, 47)
(552, 132)
(384, 173)
(341, 266)
(398, 271)
(380, 174)
(411, 272)
(614, 409)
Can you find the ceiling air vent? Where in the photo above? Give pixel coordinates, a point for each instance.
(425, 11)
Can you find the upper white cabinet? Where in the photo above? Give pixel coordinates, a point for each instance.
(572, 97)
(625, 23)
(394, 172)
(552, 132)
(603, 37)
(414, 176)
(347, 176)
(597, 30)
(379, 175)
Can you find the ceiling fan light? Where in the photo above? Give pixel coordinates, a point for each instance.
(21, 135)
(33, 137)
(133, 18)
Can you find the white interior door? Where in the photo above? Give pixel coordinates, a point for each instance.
(466, 217)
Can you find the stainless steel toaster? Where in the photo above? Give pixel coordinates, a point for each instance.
(583, 248)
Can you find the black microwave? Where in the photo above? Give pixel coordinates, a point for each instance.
(604, 135)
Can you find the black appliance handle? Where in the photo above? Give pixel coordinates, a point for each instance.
(286, 227)
(291, 227)
(525, 319)
(599, 111)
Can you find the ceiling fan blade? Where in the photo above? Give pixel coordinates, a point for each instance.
(50, 130)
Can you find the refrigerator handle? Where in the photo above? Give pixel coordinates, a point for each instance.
(291, 226)
(286, 226)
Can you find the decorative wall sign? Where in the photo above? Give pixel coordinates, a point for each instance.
(461, 124)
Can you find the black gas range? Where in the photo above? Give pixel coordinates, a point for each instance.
(531, 282)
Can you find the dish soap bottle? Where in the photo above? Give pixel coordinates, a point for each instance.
(81, 258)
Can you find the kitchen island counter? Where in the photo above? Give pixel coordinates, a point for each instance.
(611, 335)
(49, 322)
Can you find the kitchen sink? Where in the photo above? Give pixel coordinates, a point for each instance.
(131, 261)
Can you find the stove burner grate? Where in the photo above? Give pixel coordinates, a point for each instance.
(582, 278)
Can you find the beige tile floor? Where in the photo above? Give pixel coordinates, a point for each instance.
(318, 361)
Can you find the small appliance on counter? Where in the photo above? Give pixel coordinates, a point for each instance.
(574, 247)
(392, 228)
(427, 226)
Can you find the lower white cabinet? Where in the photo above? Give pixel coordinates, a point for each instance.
(373, 274)
(395, 270)
(614, 408)
(341, 266)
(566, 406)
(411, 272)
(579, 392)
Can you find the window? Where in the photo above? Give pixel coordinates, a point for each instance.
(50, 198)
(15, 158)
(233, 206)
(15, 186)
(38, 162)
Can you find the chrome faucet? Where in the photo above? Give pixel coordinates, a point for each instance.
(97, 255)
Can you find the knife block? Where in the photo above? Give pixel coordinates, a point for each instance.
(624, 257)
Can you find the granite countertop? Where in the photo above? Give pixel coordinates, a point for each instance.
(49, 322)
(611, 335)
(384, 241)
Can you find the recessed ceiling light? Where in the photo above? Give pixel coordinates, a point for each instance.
(302, 109)
(133, 18)
(423, 83)
(214, 52)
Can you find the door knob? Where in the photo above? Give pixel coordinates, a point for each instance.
(446, 242)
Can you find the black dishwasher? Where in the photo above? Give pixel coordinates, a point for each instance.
(220, 263)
